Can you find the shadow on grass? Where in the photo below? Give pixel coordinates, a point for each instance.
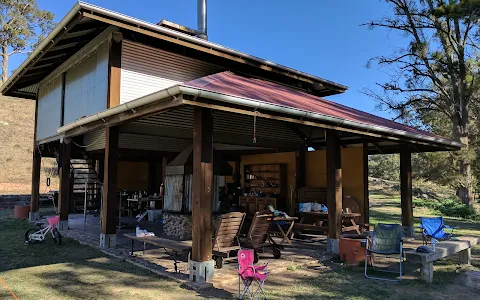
(78, 271)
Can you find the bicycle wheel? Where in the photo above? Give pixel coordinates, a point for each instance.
(27, 236)
(57, 237)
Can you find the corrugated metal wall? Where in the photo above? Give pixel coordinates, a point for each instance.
(94, 140)
(146, 70)
(87, 85)
(49, 108)
(182, 119)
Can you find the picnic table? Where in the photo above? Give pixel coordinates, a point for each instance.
(318, 221)
(282, 233)
(461, 245)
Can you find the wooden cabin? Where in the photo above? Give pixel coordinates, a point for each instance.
(125, 97)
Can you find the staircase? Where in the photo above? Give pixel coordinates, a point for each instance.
(85, 181)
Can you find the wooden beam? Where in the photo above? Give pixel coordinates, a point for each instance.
(110, 190)
(127, 116)
(36, 167)
(35, 200)
(300, 168)
(406, 186)
(114, 70)
(306, 140)
(202, 185)
(366, 195)
(334, 184)
(310, 123)
(64, 174)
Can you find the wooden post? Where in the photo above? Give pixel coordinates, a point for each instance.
(64, 193)
(110, 192)
(366, 195)
(334, 190)
(36, 168)
(299, 177)
(201, 266)
(406, 189)
(114, 70)
(35, 199)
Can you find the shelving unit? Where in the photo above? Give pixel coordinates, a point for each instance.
(266, 181)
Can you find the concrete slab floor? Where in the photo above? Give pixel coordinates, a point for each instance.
(307, 252)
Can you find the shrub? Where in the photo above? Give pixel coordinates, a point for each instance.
(449, 207)
(454, 208)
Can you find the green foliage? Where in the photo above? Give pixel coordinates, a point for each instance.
(22, 26)
(450, 207)
(385, 167)
(459, 9)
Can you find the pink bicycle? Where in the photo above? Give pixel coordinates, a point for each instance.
(33, 236)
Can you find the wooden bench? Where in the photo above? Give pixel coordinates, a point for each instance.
(442, 249)
(170, 246)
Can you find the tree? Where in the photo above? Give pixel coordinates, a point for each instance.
(436, 74)
(384, 166)
(23, 26)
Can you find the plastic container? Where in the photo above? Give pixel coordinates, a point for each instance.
(22, 211)
(352, 248)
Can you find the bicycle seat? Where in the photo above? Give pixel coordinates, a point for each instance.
(38, 223)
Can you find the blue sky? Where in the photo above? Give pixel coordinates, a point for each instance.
(320, 37)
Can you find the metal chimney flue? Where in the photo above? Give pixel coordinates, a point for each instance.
(202, 19)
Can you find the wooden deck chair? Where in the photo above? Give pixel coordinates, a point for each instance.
(226, 237)
(258, 237)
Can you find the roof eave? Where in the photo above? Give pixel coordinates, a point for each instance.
(58, 29)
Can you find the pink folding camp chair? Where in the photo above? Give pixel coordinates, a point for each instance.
(250, 274)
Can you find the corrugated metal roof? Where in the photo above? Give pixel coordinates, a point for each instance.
(239, 86)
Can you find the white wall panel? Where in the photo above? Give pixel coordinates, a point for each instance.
(86, 86)
(49, 108)
(146, 70)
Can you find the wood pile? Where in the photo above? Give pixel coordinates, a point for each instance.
(180, 225)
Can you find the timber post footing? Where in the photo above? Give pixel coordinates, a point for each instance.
(63, 225)
(201, 271)
(332, 246)
(33, 215)
(408, 231)
(108, 240)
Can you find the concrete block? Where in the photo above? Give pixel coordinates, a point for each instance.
(332, 246)
(408, 231)
(108, 240)
(33, 215)
(63, 225)
(201, 271)
(472, 279)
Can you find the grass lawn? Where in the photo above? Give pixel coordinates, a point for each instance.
(73, 271)
(334, 281)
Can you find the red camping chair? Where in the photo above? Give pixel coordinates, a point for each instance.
(250, 274)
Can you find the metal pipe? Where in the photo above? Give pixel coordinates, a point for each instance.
(202, 19)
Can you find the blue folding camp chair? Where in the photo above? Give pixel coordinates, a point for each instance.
(386, 241)
(434, 228)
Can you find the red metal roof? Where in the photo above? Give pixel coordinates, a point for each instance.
(264, 91)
